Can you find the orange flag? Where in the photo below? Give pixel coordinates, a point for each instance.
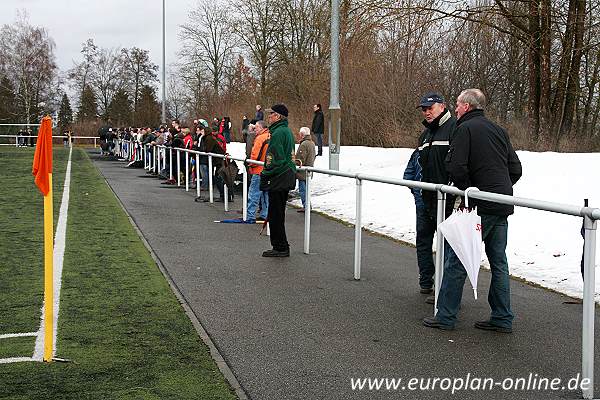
(42, 160)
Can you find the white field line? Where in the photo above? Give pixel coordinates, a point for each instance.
(13, 335)
(15, 360)
(59, 253)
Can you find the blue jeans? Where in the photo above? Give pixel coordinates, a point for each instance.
(256, 197)
(495, 231)
(302, 190)
(204, 176)
(426, 226)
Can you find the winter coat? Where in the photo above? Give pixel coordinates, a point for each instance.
(434, 144)
(250, 137)
(259, 115)
(259, 151)
(187, 141)
(413, 173)
(212, 146)
(202, 147)
(318, 123)
(306, 154)
(279, 173)
(482, 155)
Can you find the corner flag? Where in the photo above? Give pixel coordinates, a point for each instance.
(42, 170)
(42, 159)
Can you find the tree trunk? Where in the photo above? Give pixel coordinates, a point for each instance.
(565, 63)
(587, 125)
(545, 72)
(573, 81)
(533, 111)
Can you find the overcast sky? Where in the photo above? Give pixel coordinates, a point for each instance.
(111, 23)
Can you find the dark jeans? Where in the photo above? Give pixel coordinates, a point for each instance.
(319, 137)
(426, 226)
(276, 217)
(495, 230)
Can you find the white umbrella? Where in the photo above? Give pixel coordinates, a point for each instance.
(462, 230)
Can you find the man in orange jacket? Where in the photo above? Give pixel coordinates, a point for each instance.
(255, 195)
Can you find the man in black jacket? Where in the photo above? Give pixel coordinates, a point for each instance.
(318, 126)
(433, 144)
(481, 156)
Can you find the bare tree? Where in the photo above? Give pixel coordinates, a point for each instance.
(140, 71)
(79, 75)
(207, 39)
(28, 61)
(107, 77)
(256, 26)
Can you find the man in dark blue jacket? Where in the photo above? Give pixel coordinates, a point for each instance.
(481, 156)
(433, 144)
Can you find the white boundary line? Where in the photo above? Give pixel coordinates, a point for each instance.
(59, 253)
(15, 360)
(13, 335)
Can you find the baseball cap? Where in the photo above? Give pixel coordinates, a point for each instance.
(431, 98)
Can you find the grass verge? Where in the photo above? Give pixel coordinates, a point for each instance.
(119, 323)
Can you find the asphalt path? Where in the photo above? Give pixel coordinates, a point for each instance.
(302, 328)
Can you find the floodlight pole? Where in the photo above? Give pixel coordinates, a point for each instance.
(334, 96)
(164, 72)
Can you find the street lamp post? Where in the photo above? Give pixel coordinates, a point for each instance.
(164, 72)
(334, 96)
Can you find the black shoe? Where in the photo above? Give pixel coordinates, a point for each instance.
(488, 326)
(432, 322)
(199, 199)
(426, 290)
(260, 219)
(220, 200)
(276, 253)
(430, 300)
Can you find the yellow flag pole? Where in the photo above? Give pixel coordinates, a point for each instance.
(48, 274)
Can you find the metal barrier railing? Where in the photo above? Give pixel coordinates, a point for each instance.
(72, 139)
(589, 214)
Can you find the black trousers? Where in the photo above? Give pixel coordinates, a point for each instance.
(276, 217)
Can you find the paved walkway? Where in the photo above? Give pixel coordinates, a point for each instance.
(301, 328)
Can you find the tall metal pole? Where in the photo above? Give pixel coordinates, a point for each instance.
(334, 96)
(587, 350)
(164, 71)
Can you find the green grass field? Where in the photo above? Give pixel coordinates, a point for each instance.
(120, 325)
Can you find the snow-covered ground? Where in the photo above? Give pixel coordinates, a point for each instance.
(543, 247)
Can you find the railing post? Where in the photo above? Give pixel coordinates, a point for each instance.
(178, 167)
(210, 179)
(16, 140)
(171, 163)
(187, 171)
(589, 263)
(94, 142)
(154, 158)
(358, 230)
(197, 175)
(226, 198)
(439, 253)
(307, 215)
(245, 193)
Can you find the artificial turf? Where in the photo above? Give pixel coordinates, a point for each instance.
(120, 325)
